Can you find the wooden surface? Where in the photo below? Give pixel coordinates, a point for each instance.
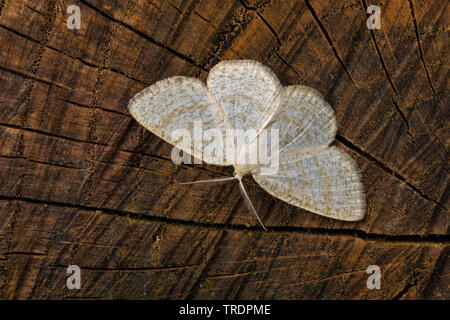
(82, 183)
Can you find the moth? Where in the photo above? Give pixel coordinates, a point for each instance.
(243, 94)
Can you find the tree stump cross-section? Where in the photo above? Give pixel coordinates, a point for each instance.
(82, 183)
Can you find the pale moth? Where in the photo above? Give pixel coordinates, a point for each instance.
(243, 94)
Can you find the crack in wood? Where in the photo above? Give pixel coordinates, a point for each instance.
(413, 239)
(383, 64)
(40, 162)
(158, 157)
(145, 36)
(272, 30)
(381, 165)
(34, 9)
(127, 115)
(290, 66)
(24, 253)
(416, 29)
(275, 35)
(32, 77)
(405, 290)
(403, 116)
(135, 269)
(329, 40)
(82, 168)
(380, 56)
(193, 11)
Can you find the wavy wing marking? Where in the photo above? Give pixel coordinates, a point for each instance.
(246, 90)
(175, 104)
(304, 119)
(326, 182)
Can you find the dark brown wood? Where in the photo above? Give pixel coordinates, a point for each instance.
(82, 183)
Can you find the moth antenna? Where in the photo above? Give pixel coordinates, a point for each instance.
(208, 181)
(249, 203)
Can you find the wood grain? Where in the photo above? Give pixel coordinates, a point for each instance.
(82, 183)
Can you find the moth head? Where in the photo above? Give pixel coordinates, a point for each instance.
(240, 171)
